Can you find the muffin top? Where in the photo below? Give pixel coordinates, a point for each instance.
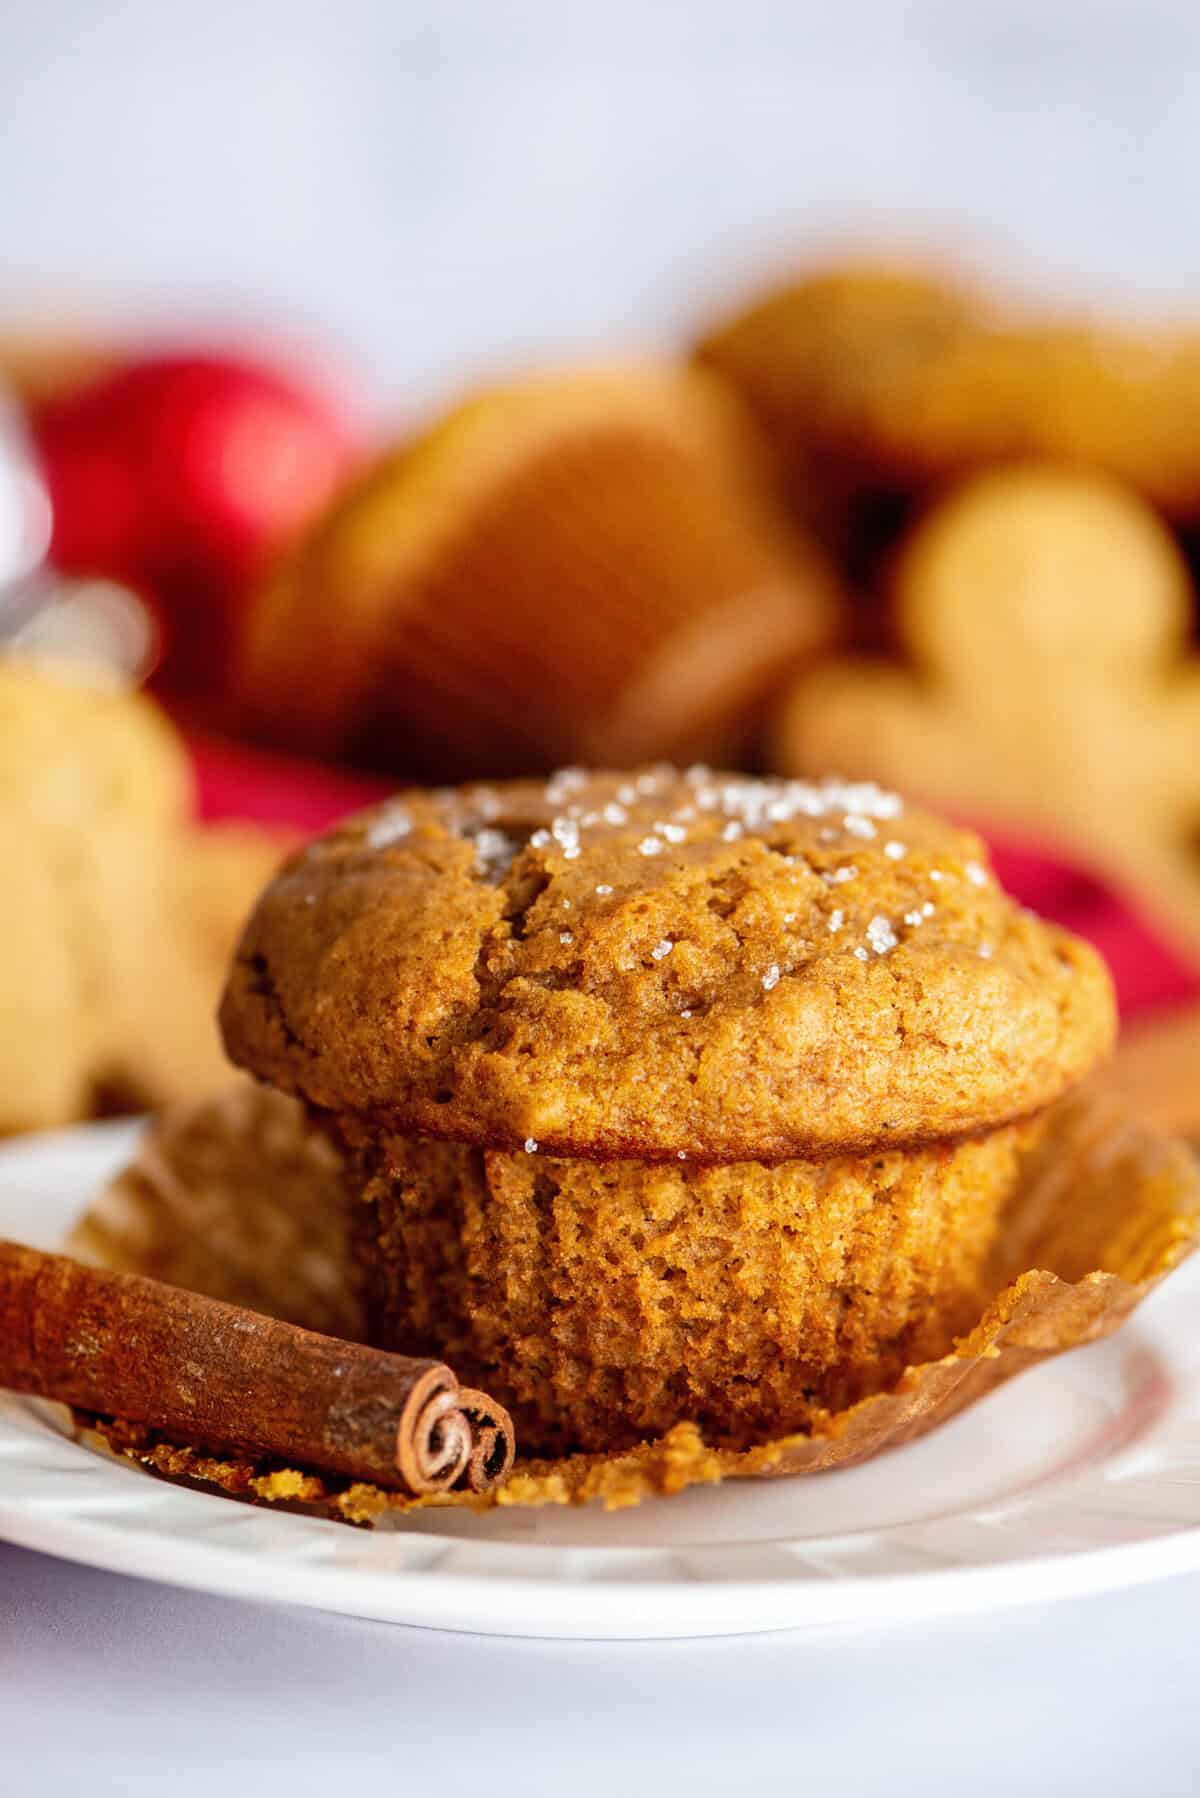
(661, 964)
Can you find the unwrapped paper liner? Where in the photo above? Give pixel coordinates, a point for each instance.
(238, 1199)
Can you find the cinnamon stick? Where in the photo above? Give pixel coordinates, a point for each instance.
(221, 1377)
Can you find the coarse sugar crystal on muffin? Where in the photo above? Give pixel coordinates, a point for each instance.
(666, 1096)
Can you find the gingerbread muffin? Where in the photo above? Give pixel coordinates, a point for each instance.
(666, 1097)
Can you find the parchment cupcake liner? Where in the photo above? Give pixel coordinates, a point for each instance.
(600, 1300)
(236, 1198)
(1104, 1210)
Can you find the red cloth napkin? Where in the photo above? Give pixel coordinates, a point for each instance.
(235, 782)
(1147, 971)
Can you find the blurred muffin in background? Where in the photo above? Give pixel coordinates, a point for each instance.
(584, 566)
(873, 380)
(1095, 398)
(809, 359)
(116, 914)
(808, 356)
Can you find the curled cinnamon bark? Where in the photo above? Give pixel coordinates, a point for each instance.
(224, 1377)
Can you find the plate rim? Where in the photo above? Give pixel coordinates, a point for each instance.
(498, 1603)
(472, 1604)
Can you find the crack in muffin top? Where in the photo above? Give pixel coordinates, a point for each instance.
(656, 965)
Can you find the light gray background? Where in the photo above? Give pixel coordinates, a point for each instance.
(431, 190)
(123, 1690)
(436, 188)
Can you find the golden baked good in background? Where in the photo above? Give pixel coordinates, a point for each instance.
(115, 918)
(1093, 397)
(586, 566)
(221, 870)
(1051, 689)
(810, 357)
(878, 378)
(38, 361)
(1155, 1073)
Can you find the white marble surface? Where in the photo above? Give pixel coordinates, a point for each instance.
(115, 1687)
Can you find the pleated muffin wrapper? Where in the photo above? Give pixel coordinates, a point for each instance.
(1102, 1210)
(580, 567)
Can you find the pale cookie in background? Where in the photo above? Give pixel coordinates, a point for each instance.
(1051, 691)
(1156, 1072)
(116, 912)
(215, 873)
(221, 871)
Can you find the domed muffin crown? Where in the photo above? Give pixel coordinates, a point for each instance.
(660, 964)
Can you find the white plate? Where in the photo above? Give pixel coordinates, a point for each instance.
(1082, 1475)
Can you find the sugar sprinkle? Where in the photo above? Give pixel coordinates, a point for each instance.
(390, 826)
(880, 935)
(495, 852)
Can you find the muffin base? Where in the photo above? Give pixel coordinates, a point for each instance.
(604, 1302)
(1102, 1210)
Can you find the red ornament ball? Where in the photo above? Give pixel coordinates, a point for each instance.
(180, 475)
